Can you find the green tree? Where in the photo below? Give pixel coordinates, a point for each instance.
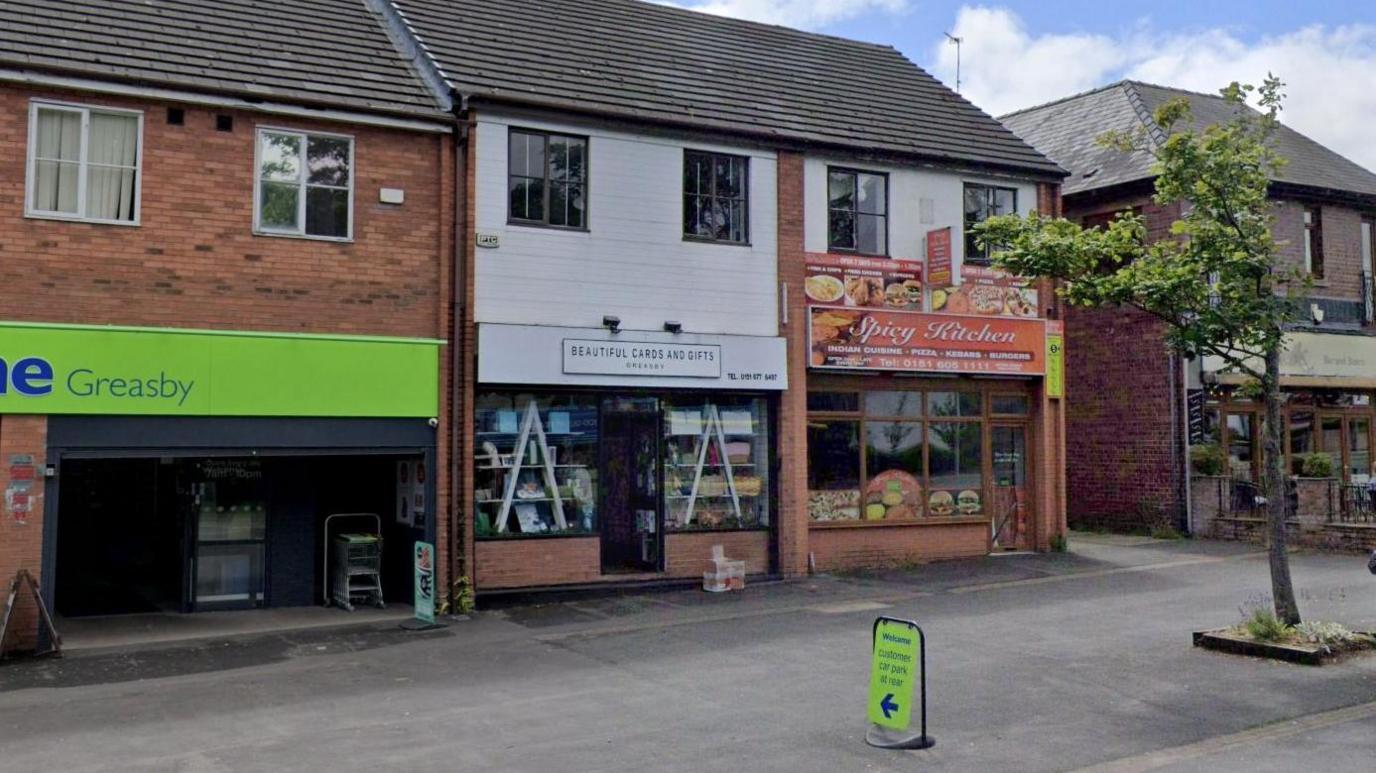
(1217, 282)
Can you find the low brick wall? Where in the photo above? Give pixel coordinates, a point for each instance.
(864, 545)
(686, 554)
(535, 561)
(1314, 523)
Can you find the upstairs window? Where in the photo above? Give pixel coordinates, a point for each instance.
(716, 197)
(84, 163)
(305, 185)
(547, 179)
(981, 203)
(1313, 243)
(857, 212)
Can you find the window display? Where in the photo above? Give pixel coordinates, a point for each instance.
(535, 465)
(923, 454)
(716, 464)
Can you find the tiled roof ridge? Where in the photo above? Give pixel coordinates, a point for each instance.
(418, 58)
(1144, 114)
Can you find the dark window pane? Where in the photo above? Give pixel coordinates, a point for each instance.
(973, 252)
(893, 403)
(696, 173)
(841, 230)
(953, 404)
(1004, 201)
(577, 207)
(841, 190)
(327, 161)
(691, 215)
(833, 401)
(833, 470)
(737, 233)
(527, 198)
(279, 203)
(1301, 439)
(527, 154)
(954, 454)
(872, 199)
(578, 160)
(558, 205)
(893, 470)
(870, 237)
(327, 212)
(558, 158)
(976, 203)
(1009, 405)
(726, 180)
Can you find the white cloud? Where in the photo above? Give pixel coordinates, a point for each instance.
(1330, 72)
(804, 14)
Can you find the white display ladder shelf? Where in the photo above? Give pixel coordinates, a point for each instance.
(712, 432)
(532, 430)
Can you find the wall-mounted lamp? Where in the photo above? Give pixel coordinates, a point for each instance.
(612, 323)
(671, 326)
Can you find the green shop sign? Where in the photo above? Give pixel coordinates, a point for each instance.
(78, 369)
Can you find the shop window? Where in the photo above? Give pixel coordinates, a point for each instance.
(834, 402)
(833, 470)
(955, 455)
(893, 470)
(305, 185)
(981, 203)
(893, 404)
(536, 465)
(1301, 439)
(857, 212)
(1241, 436)
(84, 163)
(1009, 405)
(1359, 450)
(953, 404)
(1331, 440)
(716, 464)
(716, 197)
(547, 177)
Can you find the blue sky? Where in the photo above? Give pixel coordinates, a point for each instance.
(1018, 54)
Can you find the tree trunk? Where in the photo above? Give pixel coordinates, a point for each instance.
(1277, 503)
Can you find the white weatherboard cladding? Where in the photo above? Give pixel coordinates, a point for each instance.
(632, 263)
(908, 187)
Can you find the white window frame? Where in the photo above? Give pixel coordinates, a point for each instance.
(258, 227)
(31, 164)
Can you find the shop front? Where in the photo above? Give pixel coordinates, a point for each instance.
(929, 434)
(188, 471)
(604, 455)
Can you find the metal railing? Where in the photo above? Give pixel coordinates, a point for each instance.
(1357, 504)
(1247, 499)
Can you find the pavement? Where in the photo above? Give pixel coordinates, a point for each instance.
(1050, 662)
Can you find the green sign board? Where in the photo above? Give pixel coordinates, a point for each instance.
(425, 582)
(1055, 366)
(76, 369)
(895, 667)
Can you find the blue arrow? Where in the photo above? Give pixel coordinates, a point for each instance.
(887, 705)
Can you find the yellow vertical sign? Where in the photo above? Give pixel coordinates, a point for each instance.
(1055, 359)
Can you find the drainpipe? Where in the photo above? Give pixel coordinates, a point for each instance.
(459, 353)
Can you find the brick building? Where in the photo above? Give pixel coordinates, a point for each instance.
(224, 289)
(625, 208)
(1135, 408)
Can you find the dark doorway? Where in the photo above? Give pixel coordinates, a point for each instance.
(632, 527)
(119, 538)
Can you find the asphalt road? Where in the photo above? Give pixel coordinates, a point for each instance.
(1054, 662)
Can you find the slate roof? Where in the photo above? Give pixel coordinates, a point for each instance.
(1066, 130)
(320, 53)
(637, 60)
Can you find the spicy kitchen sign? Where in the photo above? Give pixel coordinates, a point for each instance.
(868, 339)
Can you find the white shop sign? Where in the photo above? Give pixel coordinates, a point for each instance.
(538, 354)
(621, 358)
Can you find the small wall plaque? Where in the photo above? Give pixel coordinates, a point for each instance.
(488, 241)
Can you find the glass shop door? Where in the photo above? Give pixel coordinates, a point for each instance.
(631, 522)
(227, 528)
(1012, 498)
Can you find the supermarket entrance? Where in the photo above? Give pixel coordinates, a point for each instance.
(632, 524)
(170, 534)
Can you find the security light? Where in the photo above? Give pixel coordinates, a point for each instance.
(612, 323)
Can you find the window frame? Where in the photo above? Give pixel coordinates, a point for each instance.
(745, 197)
(855, 173)
(586, 182)
(965, 224)
(1311, 217)
(31, 162)
(303, 183)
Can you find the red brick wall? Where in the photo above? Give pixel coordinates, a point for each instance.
(792, 441)
(689, 554)
(194, 260)
(21, 542)
(1340, 229)
(534, 562)
(872, 546)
